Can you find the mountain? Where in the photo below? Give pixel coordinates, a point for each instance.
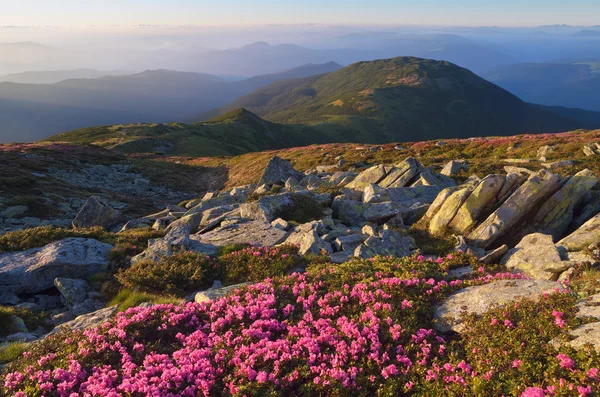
(55, 76)
(572, 84)
(294, 73)
(16, 57)
(235, 132)
(36, 111)
(401, 99)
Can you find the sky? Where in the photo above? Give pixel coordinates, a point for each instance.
(261, 12)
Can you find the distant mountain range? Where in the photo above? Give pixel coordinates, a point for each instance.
(35, 111)
(55, 76)
(570, 84)
(391, 100)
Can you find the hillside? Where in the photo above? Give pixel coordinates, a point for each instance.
(573, 84)
(36, 111)
(401, 99)
(233, 133)
(55, 76)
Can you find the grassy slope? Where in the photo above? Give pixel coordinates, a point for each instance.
(400, 99)
(236, 132)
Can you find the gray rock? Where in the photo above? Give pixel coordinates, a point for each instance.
(515, 208)
(430, 178)
(266, 208)
(251, 232)
(278, 171)
(558, 164)
(591, 149)
(589, 307)
(479, 299)
(97, 212)
(313, 244)
(341, 257)
(22, 337)
(448, 210)
(349, 243)
(537, 257)
(584, 335)
(494, 256)
(87, 306)
(88, 320)
(14, 211)
(74, 291)
(281, 224)
(588, 233)
(402, 173)
(367, 177)
(9, 298)
(390, 243)
(34, 270)
(215, 293)
(136, 224)
(454, 167)
(175, 239)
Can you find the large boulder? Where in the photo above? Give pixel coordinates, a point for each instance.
(484, 196)
(74, 291)
(89, 320)
(479, 299)
(440, 221)
(266, 208)
(369, 176)
(278, 171)
(402, 173)
(536, 256)
(97, 212)
(588, 233)
(34, 270)
(556, 214)
(538, 187)
(312, 243)
(249, 232)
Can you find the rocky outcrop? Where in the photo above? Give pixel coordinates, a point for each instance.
(536, 256)
(591, 149)
(449, 208)
(587, 234)
(97, 212)
(278, 171)
(454, 167)
(401, 173)
(34, 270)
(479, 299)
(266, 208)
(371, 175)
(243, 232)
(515, 208)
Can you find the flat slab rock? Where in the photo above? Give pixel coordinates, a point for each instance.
(216, 293)
(481, 298)
(34, 270)
(88, 320)
(588, 334)
(252, 232)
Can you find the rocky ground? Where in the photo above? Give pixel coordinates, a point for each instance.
(541, 226)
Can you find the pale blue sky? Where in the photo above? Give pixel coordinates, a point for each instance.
(257, 12)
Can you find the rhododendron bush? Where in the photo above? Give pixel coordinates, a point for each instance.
(331, 331)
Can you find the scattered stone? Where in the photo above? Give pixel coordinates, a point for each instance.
(216, 293)
(588, 334)
(251, 232)
(74, 291)
(278, 171)
(88, 320)
(280, 224)
(266, 208)
(494, 256)
(369, 176)
(402, 173)
(479, 299)
(558, 164)
(536, 257)
(587, 234)
(34, 270)
(591, 149)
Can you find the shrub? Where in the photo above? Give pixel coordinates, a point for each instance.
(258, 263)
(178, 274)
(11, 352)
(430, 244)
(127, 298)
(32, 320)
(304, 209)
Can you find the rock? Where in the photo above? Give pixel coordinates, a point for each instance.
(556, 214)
(369, 231)
(494, 256)
(558, 164)
(515, 208)
(484, 196)
(97, 212)
(163, 223)
(591, 149)
(87, 306)
(440, 221)
(439, 200)
(278, 171)
(34, 270)
(518, 170)
(280, 224)
(216, 202)
(212, 213)
(402, 173)
(89, 320)
(544, 151)
(588, 233)
(589, 307)
(62, 318)
(349, 243)
(74, 291)
(380, 212)
(17, 325)
(588, 334)
(454, 167)
(367, 177)
(429, 178)
(291, 183)
(536, 257)
(176, 239)
(266, 208)
(136, 224)
(313, 244)
(479, 299)
(14, 211)
(350, 212)
(341, 257)
(251, 232)
(390, 243)
(511, 183)
(22, 337)
(9, 298)
(215, 293)
(461, 272)
(191, 222)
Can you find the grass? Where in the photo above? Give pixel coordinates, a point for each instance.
(11, 352)
(128, 298)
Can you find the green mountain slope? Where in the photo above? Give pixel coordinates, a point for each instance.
(236, 132)
(402, 99)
